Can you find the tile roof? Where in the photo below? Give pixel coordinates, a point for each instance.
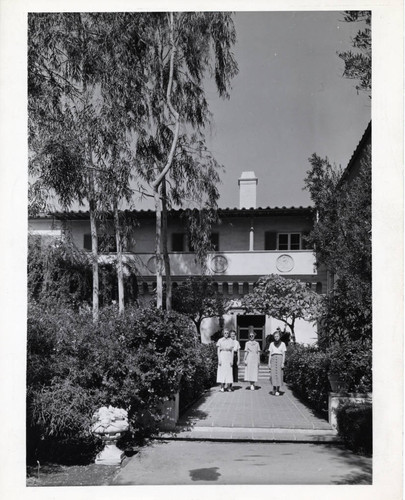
(229, 211)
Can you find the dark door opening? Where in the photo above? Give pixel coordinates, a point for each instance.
(251, 322)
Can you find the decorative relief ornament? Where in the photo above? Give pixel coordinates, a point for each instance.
(151, 265)
(285, 263)
(219, 264)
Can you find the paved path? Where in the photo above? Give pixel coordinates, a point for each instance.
(252, 415)
(247, 437)
(195, 463)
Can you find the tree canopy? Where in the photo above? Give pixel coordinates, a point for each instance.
(342, 238)
(198, 299)
(358, 62)
(117, 100)
(284, 299)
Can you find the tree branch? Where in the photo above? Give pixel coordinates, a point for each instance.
(176, 115)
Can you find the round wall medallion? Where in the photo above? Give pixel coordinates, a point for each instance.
(219, 264)
(151, 265)
(285, 263)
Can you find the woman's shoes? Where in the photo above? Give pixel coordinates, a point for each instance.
(277, 394)
(222, 389)
(252, 387)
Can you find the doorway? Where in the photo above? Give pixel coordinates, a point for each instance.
(249, 322)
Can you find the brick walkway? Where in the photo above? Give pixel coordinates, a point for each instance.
(252, 415)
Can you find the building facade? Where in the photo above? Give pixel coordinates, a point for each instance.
(249, 242)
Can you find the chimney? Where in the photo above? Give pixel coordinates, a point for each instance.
(247, 190)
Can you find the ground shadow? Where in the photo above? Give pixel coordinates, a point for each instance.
(257, 388)
(342, 454)
(322, 414)
(208, 474)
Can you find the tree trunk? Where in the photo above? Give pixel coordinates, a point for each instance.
(292, 330)
(161, 177)
(158, 253)
(94, 252)
(166, 259)
(119, 264)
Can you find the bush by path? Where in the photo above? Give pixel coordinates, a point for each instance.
(307, 369)
(74, 366)
(355, 426)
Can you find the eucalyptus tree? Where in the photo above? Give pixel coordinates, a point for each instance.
(185, 49)
(85, 88)
(358, 62)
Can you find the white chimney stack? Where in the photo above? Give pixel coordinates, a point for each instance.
(247, 190)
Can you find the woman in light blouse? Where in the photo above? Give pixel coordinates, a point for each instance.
(276, 362)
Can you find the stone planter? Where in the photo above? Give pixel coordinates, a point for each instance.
(108, 424)
(337, 399)
(111, 454)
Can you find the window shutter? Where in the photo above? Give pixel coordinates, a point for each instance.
(178, 242)
(87, 242)
(270, 240)
(215, 241)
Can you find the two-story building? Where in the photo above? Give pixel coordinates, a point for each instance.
(249, 242)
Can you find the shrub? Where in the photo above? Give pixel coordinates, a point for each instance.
(306, 372)
(202, 376)
(355, 426)
(352, 361)
(134, 361)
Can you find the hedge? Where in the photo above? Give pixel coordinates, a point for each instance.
(355, 426)
(306, 371)
(134, 361)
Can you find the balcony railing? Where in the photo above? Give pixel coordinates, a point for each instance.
(254, 263)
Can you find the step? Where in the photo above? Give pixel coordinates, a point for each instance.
(269, 435)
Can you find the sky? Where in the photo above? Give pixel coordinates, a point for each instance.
(288, 101)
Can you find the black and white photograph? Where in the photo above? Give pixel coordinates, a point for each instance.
(210, 286)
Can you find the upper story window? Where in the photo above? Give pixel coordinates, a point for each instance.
(289, 241)
(282, 241)
(178, 242)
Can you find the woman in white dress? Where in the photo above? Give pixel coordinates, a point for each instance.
(276, 362)
(225, 347)
(252, 361)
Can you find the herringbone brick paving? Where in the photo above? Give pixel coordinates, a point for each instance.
(252, 416)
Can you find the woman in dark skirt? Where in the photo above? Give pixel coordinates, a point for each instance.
(276, 362)
(236, 356)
